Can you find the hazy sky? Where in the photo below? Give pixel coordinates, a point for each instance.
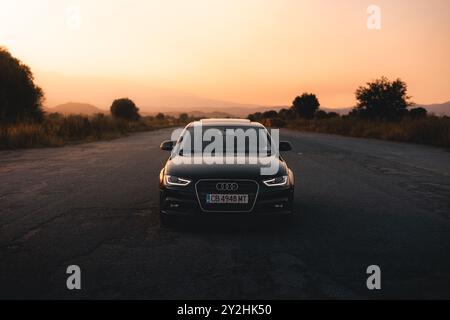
(250, 51)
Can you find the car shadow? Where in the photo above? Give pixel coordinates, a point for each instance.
(232, 225)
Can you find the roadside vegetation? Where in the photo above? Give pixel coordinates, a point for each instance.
(56, 130)
(383, 111)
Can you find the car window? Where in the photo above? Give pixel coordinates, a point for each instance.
(215, 140)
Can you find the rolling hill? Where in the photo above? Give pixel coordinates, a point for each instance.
(439, 109)
(75, 108)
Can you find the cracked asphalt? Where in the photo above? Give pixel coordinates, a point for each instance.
(359, 202)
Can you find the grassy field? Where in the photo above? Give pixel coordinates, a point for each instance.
(429, 130)
(57, 130)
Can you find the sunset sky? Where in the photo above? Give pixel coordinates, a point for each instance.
(248, 51)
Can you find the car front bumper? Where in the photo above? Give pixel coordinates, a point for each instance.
(185, 202)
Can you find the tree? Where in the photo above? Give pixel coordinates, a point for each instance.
(306, 105)
(125, 109)
(382, 99)
(333, 114)
(160, 116)
(184, 117)
(285, 114)
(20, 98)
(321, 114)
(255, 116)
(270, 114)
(417, 113)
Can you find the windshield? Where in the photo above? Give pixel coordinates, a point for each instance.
(225, 140)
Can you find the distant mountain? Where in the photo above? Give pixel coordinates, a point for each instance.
(200, 114)
(439, 109)
(101, 92)
(75, 108)
(214, 112)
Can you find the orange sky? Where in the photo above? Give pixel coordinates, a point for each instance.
(249, 51)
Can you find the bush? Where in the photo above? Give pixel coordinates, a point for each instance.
(184, 117)
(418, 113)
(286, 114)
(270, 114)
(255, 116)
(125, 109)
(56, 130)
(274, 123)
(428, 130)
(320, 114)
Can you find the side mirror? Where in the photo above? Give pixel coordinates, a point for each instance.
(285, 146)
(167, 145)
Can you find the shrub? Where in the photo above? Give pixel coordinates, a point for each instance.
(125, 109)
(428, 130)
(418, 112)
(57, 130)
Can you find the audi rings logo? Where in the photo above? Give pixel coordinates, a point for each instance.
(227, 186)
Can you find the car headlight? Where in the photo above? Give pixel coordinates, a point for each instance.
(175, 181)
(277, 182)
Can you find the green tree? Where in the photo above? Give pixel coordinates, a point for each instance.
(20, 98)
(306, 105)
(125, 109)
(382, 99)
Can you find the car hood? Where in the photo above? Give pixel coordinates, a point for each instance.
(185, 167)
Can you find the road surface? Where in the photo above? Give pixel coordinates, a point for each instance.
(360, 202)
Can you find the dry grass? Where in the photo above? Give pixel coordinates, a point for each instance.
(430, 130)
(56, 131)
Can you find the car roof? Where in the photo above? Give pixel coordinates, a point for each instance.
(226, 122)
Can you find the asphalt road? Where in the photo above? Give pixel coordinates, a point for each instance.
(359, 202)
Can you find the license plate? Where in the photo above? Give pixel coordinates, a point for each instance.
(227, 198)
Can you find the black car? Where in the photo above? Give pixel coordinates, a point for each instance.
(195, 183)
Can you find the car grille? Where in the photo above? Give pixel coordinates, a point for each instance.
(204, 187)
